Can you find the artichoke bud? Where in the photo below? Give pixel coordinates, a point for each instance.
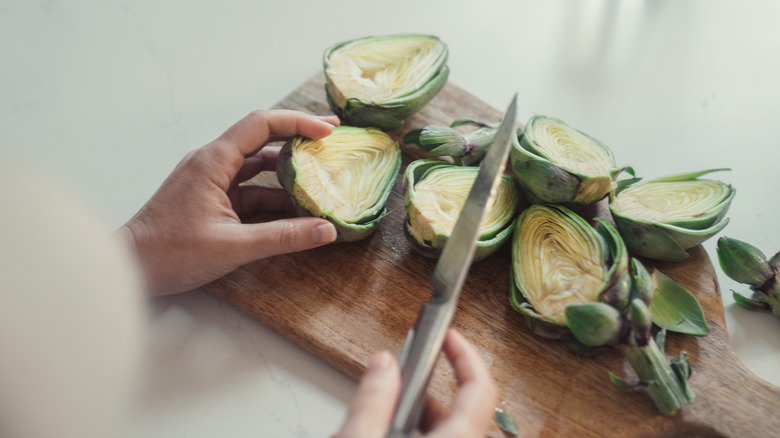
(560, 261)
(641, 321)
(743, 262)
(557, 164)
(438, 140)
(662, 218)
(345, 177)
(594, 324)
(775, 261)
(643, 287)
(435, 193)
(380, 81)
(469, 147)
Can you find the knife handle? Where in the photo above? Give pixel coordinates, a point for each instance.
(417, 363)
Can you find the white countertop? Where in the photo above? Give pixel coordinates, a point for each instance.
(105, 97)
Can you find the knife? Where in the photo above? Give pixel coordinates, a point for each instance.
(423, 343)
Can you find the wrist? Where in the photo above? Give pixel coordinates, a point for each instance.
(127, 238)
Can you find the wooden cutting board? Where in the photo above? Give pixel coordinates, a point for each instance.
(345, 301)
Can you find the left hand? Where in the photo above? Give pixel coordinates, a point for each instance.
(189, 233)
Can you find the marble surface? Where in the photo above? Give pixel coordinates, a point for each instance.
(105, 97)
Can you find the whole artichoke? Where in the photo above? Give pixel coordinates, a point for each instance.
(466, 148)
(746, 264)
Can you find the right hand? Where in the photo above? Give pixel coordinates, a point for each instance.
(470, 415)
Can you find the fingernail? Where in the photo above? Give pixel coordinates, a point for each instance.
(380, 361)
(324, 233)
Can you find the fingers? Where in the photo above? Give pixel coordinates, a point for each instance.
(253, 131)
(264, 159)
(372, 407)
(256, 241)
(250, 199)
(434, 412)
(471, 411)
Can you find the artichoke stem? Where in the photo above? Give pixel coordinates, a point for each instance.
(664, 386)
(773, 297)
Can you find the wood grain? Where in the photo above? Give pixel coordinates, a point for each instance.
(346, 301)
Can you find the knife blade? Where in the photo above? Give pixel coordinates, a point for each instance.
(423, 343)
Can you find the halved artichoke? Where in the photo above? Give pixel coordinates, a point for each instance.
(662, 218)
(559, 261)
(556, 164)
(345, 177)
(379, 81)
(435, 193)
(575, 283)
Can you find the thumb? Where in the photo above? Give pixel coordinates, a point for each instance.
(372, 407)
(285, 236)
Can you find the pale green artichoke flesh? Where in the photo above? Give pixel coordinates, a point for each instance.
(663, 218)
(558, 261)
(381, 70)
(435, 194)
(557, 164)
(672, 202)
(379, 81)
(569, 148)
(345, 177)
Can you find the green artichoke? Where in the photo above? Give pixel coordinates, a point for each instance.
(379, 81)
(345, 177)
(574, 282)
(746, 264)
(556, 164)
(662, 218)
(467, 148)
(435, 194)
(559, 261)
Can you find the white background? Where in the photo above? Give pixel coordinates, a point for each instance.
(105, 97)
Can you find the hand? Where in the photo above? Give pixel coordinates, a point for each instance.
(471, 412)
(189, 233)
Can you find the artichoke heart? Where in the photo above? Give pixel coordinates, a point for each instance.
(574, 282)
(560, 261)
(346, 177)
(435, 193)
(662, 218)
(556, 164)
(379, 81)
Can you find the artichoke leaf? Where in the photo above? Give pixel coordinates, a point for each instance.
(674, 308)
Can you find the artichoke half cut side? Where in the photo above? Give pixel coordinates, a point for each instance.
(560, 261)
(574, 282)
(379, 81)
(662, 218)
(557, 164)
(435, 193)
(345, 177)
